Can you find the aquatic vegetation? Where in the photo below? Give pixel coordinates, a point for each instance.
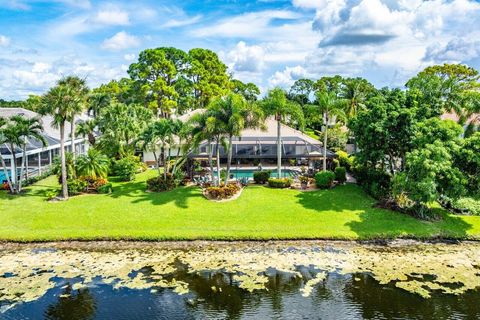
(27, 273)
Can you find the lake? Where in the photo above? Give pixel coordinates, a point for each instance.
(240, 280)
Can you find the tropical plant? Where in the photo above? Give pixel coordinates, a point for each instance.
(60, 102)
(93, 164)
(324, 179)
(16, 133)
(79, 90)
(331, 107)
(235, 114)
(276, 104)
(3, 139)
(86, 129)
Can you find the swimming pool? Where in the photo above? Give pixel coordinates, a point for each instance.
(248, 173)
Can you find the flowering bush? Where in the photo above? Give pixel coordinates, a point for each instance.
(223, 191)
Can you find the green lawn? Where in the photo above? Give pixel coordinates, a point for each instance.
(260, 213)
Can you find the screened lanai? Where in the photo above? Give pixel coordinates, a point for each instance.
(39, 158)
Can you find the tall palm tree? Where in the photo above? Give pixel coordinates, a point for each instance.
(236, 114)
(3, 139)
(330, 106)
(60, 102)
(200, 133)
(93, 164)
(276, 104)
(79, 90)
(17, 133)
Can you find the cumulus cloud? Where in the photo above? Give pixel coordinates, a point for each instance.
(288, 76)
(246, 58)
(121, 40)
(456, 50)
(181, 22)
(129, 56)
(4, 41)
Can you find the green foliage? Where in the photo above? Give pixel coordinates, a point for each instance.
(430, 174)
(324, 179)
(70, 167)
(248, 90)
(261, 177)
(344, 159)
(93, 164)
(76, 186)
(106, 188)
(223, 191)
(470, 205)
(51, 194)
(161, 183)
(279, 182)
(341, 174)
(375, 182)
(126, 168)
(337, 138)
(467, 160)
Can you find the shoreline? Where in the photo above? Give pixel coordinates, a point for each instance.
(188, 244)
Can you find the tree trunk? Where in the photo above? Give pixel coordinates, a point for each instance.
(72, 135)
(15, 186)
(7, 176)
(24, 161)
(176, 158)
(63, 163)
(210, 160)
(157, 166)
(229, 159)
(325, 143)
(218, 162)
(279, 147)
(164, 160)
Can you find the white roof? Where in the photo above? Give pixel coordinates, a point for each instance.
(269, 132)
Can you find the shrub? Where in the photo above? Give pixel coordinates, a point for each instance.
(158, 184)
(341, 174)
(76, 186)
(261, 177)
(376, 183)
(51, 194)
(279, 183)
(126, 168)
(223, 191)
(344, 160)
(324, 179)
(94, 183)
(106, 188)
(470, 205)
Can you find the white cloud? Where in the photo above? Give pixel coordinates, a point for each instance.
(120, 41)
(112, 16)
(176, 23)
(246, 58)
(129, 56)
(288, 76)
(4, 41)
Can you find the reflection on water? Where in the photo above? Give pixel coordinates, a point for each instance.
(240, 281)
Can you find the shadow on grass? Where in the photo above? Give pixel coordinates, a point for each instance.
(381, 223)
(136, 190)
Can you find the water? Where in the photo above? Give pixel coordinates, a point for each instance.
(248, 173)
(295, 280)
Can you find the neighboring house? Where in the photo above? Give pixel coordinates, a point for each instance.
(39, 158)
(255, 146)
(474, 119)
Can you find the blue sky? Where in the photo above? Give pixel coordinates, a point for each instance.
(268, 42)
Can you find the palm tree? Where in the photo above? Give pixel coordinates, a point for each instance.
(79, 90)
(85, 129)
(159, 134)
(3, 139)
(17, 132)
(277, 104)
(93, 164)
(60, 102)
(98, 101)
(330, 106)
(236, 114)
(200, 132)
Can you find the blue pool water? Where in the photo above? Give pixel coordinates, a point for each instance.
(248, 173)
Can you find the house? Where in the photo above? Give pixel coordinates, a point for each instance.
(255, 146)
(39, 158)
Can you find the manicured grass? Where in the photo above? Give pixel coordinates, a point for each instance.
(259, 213)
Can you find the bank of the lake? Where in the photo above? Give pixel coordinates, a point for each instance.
(260, 213)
